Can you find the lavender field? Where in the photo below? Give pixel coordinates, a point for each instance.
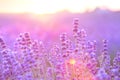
(99, 24)
(81, 47)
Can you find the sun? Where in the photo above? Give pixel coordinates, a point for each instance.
(53, 6)
(72, 61)
(45, 6)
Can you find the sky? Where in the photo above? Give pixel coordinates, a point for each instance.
(53, 6)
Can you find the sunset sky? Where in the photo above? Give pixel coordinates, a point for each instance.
(52, 6)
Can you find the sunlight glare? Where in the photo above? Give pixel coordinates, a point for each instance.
(72, 61)
(53, 6)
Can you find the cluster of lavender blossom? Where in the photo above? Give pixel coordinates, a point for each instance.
(73, 58)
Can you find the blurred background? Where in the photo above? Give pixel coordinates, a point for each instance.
(46, 19)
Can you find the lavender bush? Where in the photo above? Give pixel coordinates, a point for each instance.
(74, 58)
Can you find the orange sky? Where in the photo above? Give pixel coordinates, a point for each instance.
(52, 6)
